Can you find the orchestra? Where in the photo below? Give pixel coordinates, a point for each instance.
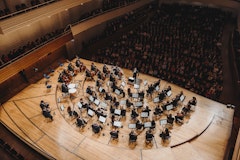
(117, 105)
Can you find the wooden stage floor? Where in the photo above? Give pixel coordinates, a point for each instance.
(204, 134)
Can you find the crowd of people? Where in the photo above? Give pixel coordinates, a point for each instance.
(21, 6)
(236, 46)
(180, 43)
(107, 5)
(29, 46)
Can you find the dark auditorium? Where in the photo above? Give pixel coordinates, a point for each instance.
(120, 79)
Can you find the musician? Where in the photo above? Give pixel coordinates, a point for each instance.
(139, 125)
(193, 101)
(161, 95)
(96, 128)
(186, 109)
(93, 67)
(70, 67)
(158, 110)
(147, 110)
(47, 113)
(170, 119)
(149, 135)
(134, 114)
(132, 136)
(44, 104)
(78, 63)
(165, 134)
(135, 73)
(105, 70)
(64, 88)
(81, 122)
(179, 118)
(128, 103)
(114, 134)
(153, 124)
(89, 90)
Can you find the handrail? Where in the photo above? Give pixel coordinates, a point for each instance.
(27, 9)
(40, 45)
(66, 30)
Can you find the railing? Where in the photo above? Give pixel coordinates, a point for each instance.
(27, 9)
(40, 45)
(67, 29)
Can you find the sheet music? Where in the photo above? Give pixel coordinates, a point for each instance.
(156, 100)
(182, 97)
(132, 126)
(147, 124)
(117, 111)
(79, 105)
(169, 93)
(169, 107)
(138, 104)
(163, 121)
(117, 91)
(144, 114)
(90, 112)
(102, 119)
(117, 123)
(97, 102)
(135, 95)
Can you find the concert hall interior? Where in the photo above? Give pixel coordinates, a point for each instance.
(126, 79)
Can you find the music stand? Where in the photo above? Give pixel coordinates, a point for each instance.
(182, 97)
(97, 102)
(138, 104)
(132, 126)
(91, 98)
(123, 102)
(102, 119)
(156, 100)
(169, 107)
(136, 86)
(103, 104)
(79, 104)
(117, 91)
(144, 114)
(90, 112)
(117, 124)
(163, 122)
(135, 95)
(117, 112)
(169, 93)
(147, 124)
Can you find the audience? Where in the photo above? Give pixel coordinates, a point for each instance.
(162, 47)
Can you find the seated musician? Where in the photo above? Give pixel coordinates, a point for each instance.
(78, 63)
(157, 83)
(193, 101)
(167, 89)
(161, 96)
(186, 109)
(134, 114)
(112, 78)
(44, 104)
(81, 122)
(179, 118)
(105, 69)
(170, 119)
(132, 136)
(165, 135)
(129, 92)
(88, 74)
(146, 110)
(139, 125)
(128, 103)
(114, 134)
(135, 73)
(47, 113)
(108, 97)
(96, 128)
(149, 135)
(70, 67)
(93, 67)
(158, 110)
(141, 95)
(153, 124)
(64, 88)
(89, 90)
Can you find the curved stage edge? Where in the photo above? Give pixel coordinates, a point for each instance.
(203, 136)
